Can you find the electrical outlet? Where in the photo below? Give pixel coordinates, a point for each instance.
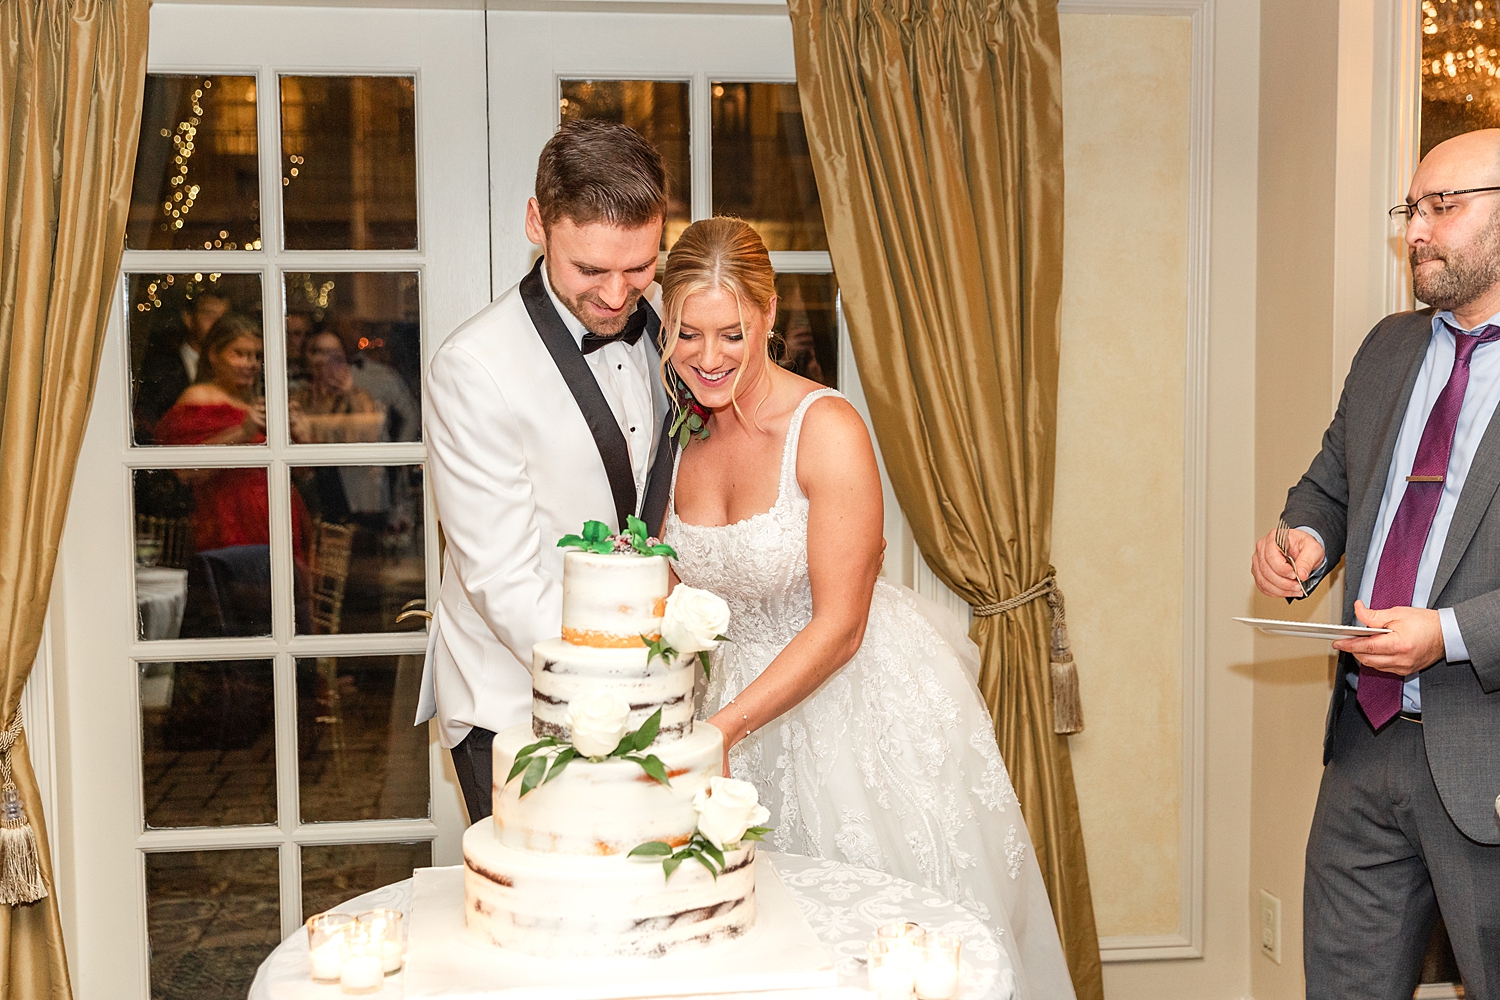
(1270, 926)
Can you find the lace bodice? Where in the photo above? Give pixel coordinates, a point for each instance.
(758, 565)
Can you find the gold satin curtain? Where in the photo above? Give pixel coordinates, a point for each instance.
(936, 135)
(71, 79)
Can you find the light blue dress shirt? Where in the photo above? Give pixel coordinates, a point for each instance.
(1480, 399)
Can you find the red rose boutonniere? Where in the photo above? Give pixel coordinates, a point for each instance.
(692, 416)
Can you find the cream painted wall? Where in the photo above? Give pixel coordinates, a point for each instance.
(1295, 351)
(1107, 751)
(1121, 440)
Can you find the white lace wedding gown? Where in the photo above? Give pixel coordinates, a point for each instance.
(891, 764)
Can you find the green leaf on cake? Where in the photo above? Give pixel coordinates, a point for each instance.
(703, 659)
(646, 735)
(670, 864)
(703, 859)
(651, 849)
(595, 538)
(533, 775)
(657, 647)
(706, 846)
(756, 833)
(558, 763)
(653, 766)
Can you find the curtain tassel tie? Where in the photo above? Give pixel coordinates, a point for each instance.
(20, 864)
(1067, 701)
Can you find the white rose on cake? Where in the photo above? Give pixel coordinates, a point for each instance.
(726, 809)
(694, 620)
(598, 720)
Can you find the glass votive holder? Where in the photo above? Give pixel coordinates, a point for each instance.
(385, 927)
(909, 932)
(361, 972)
(937, 973)
(890, 969)
(325, 944)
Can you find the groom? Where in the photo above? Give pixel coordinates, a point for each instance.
(543, 411)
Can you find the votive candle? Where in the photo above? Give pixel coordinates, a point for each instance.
(890, 970)
(361, 971)
(384, 927)
(325, 944)
(937, 973)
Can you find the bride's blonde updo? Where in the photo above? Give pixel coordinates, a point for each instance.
(717, 253)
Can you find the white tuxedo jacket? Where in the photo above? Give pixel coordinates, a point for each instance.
(522, 449)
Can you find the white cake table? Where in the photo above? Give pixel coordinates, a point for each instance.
(843, 905)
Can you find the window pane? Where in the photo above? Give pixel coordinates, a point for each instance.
(172, 319)
(354, 356)
(226, 587)
(349, 162)
(1460, 57)
(658, 110)
(197, 180)
(807, 321)
(358, 754)
(336, 873)
(761, 166)
(366, 550)
(211, 918)
(208, 743)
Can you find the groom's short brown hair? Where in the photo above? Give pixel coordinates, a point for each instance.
(599, 171)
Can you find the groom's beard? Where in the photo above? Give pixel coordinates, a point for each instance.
(592, 322)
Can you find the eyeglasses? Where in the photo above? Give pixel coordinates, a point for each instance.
(1433, 206)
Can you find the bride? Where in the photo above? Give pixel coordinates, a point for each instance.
(851, 706)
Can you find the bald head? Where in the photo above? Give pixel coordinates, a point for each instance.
(1464, 161)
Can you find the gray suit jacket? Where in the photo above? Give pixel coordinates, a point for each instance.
(1340, 496)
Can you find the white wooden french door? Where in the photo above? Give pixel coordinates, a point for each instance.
(233, 694)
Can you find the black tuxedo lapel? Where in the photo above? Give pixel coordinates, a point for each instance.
(659, 482)
(591, 402)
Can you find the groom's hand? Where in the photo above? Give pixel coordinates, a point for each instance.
(1414, 642)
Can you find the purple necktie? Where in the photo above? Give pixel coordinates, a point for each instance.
(1396, 577)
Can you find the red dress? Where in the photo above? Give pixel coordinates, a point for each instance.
(230, 506)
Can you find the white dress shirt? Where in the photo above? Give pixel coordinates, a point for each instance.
(1480, 399)
(624, 373)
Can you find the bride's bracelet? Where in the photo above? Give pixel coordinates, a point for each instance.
(743, 715)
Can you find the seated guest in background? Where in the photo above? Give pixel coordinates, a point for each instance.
(300, 325)
(225, 406)
(329, 389)
(1404, 490)
(170, 363)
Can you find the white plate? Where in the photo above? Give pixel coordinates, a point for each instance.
(1310, 630)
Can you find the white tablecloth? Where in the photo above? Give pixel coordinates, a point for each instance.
(842, 904)
(160, 599)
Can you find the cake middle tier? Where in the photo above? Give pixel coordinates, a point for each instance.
(561, 672)
(604, 808)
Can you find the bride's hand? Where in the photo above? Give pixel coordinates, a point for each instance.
(724, 741)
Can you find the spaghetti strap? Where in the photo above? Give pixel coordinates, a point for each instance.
(793, 435)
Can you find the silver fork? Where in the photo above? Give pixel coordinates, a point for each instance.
(1283, 532)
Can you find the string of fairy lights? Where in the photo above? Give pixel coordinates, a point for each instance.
(1460, 50)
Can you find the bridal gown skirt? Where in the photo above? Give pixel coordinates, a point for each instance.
(892, 764)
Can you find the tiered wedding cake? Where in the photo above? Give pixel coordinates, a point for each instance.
(612, 761)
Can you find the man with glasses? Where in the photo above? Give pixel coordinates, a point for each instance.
(1405, 490)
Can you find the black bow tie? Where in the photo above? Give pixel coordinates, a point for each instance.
(634, 327)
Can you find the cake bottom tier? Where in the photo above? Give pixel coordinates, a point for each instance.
(568, 906)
